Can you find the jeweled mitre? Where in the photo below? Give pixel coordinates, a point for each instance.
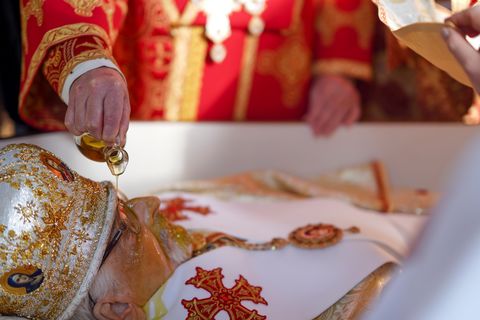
(54, 226)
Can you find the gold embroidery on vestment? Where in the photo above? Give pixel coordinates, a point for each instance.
(109, 9)
(333, 18)
(354, 303)
(246, 76)
(56, 73)
(290, 65)
(32, 8)
(190, 47)
(53, 37)
(197, 53)
(84, 7)
(58, 209)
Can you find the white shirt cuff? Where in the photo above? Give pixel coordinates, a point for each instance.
(82, 68)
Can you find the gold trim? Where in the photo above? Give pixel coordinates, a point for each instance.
(246, 75)
(384, 193)
(189, 14)
(79, 58)
(108, 8)
(296, 13)
(53, 37)
(184, 78)
(175, 17)
(171, 10)
(56, 60)
(32, 8)
(64, 59)
(197, 53)
(351, 68)
(356, 301)
(176, 76)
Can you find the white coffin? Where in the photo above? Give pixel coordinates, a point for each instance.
(416, 155)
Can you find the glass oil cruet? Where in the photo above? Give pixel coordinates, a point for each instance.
(97, 150)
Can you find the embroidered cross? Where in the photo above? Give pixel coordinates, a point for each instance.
(173, 209)
(228, 300)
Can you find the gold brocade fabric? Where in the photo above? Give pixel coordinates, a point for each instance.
(356, 301)
(363, 186)
(54, 225)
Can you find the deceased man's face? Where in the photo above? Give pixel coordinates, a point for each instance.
(141, 261)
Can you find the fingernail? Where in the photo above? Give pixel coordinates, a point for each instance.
(445, 32)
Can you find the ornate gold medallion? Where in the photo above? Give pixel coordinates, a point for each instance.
(312, 236)
(317, 236)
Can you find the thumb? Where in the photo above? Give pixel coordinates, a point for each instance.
(468, 57)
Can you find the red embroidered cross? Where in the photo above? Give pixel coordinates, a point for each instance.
(173, 209)
(229, 300)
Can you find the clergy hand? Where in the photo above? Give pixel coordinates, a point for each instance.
(468, 24)
(334, 101)
(99, 104)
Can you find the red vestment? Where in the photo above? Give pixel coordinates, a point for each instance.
(161, 48)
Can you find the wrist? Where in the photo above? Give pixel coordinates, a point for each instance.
(83, 68)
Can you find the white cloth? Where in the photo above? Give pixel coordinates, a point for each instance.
(296, 283)
(440, 280)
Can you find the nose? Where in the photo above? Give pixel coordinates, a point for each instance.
(145, 208)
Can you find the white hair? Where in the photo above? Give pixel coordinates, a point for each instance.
(103, 283)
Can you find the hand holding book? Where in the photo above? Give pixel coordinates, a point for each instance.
(466, 26)
(419, 25)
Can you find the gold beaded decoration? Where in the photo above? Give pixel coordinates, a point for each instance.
(54, 225)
